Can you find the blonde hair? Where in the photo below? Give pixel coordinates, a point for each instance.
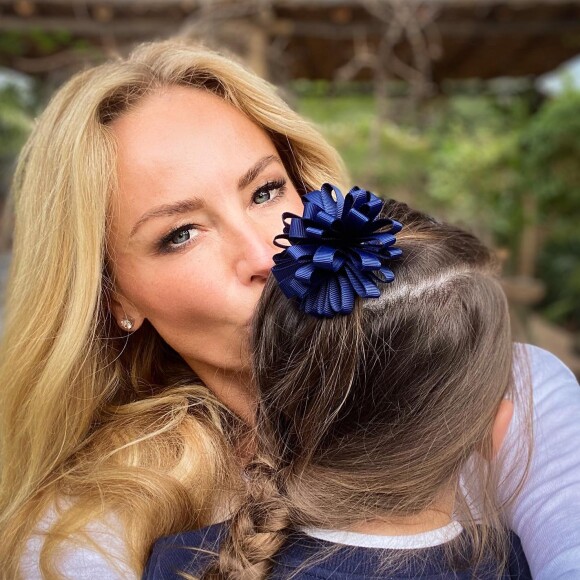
(115, 425)
(375, 414)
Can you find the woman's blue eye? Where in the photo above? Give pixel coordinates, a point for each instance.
(267, 192)
(262, 196)
(177, 239)
(180, 237)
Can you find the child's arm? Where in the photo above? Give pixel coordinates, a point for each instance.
(546, 514)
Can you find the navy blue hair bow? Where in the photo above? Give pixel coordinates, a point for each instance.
(335, 250)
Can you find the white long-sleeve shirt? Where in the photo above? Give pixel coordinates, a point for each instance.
(545, 515)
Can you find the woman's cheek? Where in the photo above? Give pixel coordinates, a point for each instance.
(181, 283)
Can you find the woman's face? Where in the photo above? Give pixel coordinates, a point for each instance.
(200, 198)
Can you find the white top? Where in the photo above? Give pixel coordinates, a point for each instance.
(410, 542)
(546, 515)
(81, 562)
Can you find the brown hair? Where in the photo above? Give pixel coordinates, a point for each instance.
(375, 413)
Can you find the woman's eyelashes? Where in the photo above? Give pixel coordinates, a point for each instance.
(181, 237)
(177, 239)
(264, 193)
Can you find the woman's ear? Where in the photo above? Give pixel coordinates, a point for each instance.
(126, 315)
(501, 425)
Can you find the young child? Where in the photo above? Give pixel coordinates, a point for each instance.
(381, 371)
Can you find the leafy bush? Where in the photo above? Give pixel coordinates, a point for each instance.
(477, 161)
(15, 124)
(551, 158)
(551, 170)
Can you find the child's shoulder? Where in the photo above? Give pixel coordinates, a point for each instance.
(186, 551)
(324, 559)
(545, 367)
(308, 557)
(517, 566)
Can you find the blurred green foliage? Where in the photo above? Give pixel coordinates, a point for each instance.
(471, 159)
(551, 158)
(39, 42)
(477, 161)
(399, 169)
(551, 170)
(16, 115)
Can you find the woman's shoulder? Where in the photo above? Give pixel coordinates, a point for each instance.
(101, 553)
(545, 365)
(546, 509)
(551, 381)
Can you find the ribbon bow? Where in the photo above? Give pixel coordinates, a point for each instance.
(335, 251)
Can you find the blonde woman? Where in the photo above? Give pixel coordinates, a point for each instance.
(146, 201)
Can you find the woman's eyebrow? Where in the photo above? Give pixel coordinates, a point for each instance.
(169, 209)
(194, 204)
(254, 171)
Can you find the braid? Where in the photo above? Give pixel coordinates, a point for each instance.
(257, 530)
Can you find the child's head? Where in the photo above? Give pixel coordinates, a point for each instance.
(374, 414)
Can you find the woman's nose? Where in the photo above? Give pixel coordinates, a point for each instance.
(254, 255)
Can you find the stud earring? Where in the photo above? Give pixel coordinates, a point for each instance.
(127, 324)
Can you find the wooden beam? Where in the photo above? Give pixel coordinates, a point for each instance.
(120, 3)
(464, 29)
(522, 28)
(155, 27)
(319, 4)
(130, 27)
(60, 60)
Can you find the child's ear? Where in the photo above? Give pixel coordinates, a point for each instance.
(503, 418)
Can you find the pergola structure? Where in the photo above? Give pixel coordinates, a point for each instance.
(314, 39)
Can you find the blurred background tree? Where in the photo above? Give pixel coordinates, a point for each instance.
(508, 169)
(550, 161)
(16, 118)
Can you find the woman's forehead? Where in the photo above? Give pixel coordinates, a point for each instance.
(181, 134)
(169, 124)
(181, 143)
